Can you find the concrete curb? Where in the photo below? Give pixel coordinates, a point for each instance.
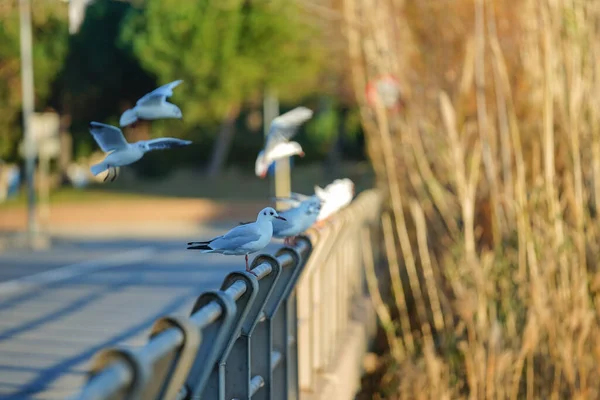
(341, 381)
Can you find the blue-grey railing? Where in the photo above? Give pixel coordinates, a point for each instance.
(242, 341)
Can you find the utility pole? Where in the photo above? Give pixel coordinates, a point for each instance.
(28, 108)
(282, 167)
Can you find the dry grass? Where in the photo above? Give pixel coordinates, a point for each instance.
(493, 172)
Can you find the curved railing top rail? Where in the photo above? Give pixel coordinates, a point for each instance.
(182, 356)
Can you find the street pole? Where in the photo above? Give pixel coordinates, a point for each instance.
(28, 107)
(282, 167)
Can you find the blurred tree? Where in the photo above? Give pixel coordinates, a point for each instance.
(50, 32)
(226, 52)
(99, 79)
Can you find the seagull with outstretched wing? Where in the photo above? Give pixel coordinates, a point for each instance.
(277, 142)
(121, 153)
(153, 105)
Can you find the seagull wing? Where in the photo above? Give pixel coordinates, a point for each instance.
(167, 143)
(239, 236)
(108, 137)
(158, 95)
(295, 199)
(291, 201)
(285, 126)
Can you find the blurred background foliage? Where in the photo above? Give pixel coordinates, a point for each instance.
(228, 53)
(50, 39)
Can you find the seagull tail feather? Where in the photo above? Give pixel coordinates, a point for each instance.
(98, 168)
(202, 246)
(128, 117)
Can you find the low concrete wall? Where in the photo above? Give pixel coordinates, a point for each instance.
(341, 381)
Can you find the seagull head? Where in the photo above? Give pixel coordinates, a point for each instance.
(143, 145)
(127, 118)
(261, 166)
(269, 214)
(175, 111)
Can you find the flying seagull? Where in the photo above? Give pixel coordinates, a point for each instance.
(242, 239)
(277, 143)
(111, 140)
(153, 105)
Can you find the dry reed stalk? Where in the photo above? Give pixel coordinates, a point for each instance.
(466, 192)
(482, 120)
(548, 146)
(439, 195)
(359, 83)
(396, 199)
(381, 309)
(532, 292)
(398, 291)
(430, 283)
(502, 115)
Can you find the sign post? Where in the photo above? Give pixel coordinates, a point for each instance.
(282, 167)
(28, 104)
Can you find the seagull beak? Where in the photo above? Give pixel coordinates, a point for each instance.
(263, 175)
(301, 154)
(281, 218)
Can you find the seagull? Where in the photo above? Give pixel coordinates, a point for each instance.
(111, 140)
(242, 239)
(277, 144)
(153, 105)
(298, 219)
(335, 196)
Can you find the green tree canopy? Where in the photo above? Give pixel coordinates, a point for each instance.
(50, 32)
(99, 77)
(226, 51)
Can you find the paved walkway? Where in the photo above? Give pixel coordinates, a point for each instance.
(58, 307)
(128, 213)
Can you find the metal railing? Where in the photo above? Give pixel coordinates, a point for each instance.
(263, 335)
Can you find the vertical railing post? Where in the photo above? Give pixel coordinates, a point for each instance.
(140, 370)
(217, 381)
(277, 316)
(252, 350)
(172, 381)
(212, 338)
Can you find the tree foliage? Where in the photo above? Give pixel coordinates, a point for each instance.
(226, 51)
(50, 32)
(99, 79)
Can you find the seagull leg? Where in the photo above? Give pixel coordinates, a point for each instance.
(247, 267)
(116, 174)
(107, 174)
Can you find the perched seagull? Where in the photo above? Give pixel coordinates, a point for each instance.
(277, 144)
(111, 140)
(153, 105)
(297, 219)
(243, 239)
(335, 196)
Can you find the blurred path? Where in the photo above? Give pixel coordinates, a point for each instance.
(58, 307)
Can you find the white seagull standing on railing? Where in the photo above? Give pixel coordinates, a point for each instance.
(335, 196)
(153, 105)
(297, 219)
(243, 239)
(121, 153)
(277, 144)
